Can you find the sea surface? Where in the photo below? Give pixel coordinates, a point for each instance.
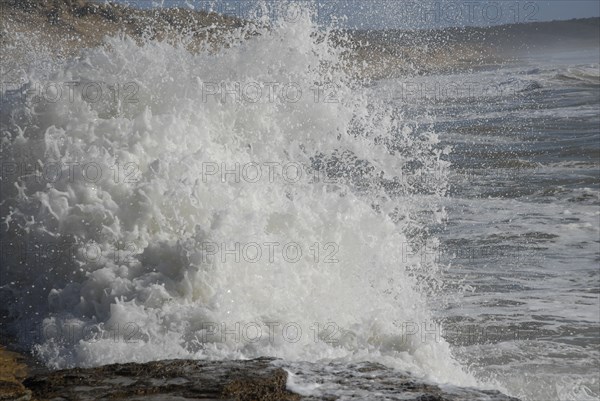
(521, 240)
(260, 200)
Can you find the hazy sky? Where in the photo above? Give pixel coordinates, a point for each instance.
(406, 13)
(569, 9)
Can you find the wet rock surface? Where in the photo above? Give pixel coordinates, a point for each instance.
(12, 373)
(375, 382)
(256, 379)
(251, 380)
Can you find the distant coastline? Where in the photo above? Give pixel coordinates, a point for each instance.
(64, 27)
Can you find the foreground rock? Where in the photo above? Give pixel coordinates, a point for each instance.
(262, 379)
(167, 380)
(12, 373)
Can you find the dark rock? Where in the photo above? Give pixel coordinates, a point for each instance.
(260, 379)
(12, 373)
(255, 380)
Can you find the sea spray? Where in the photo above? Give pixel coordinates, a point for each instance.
(220, 204)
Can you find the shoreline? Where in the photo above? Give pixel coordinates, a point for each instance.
(260, 379)
(62, 28)
(13, 371)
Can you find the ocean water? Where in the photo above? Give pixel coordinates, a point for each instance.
(521, 241)
(260, 200)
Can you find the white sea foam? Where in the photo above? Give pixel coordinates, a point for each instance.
(132, 189)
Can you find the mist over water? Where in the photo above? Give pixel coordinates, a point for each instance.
(265, 199)
(176, 216)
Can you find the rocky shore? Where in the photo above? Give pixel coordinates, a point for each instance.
(261, 379)
(12, 373)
